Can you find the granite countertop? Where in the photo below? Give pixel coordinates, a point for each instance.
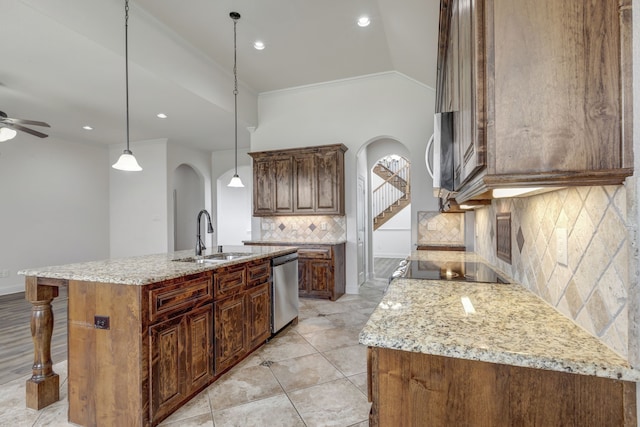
(142, 270)
(293, 242)
(507, 324)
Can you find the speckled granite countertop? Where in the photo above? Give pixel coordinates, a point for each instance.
(510, 326)
(142, 270)
(293, 243)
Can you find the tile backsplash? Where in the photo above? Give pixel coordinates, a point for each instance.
(309, 229)
(589, 284)
(435, 228)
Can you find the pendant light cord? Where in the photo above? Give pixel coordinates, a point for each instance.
(126, 63)
(235, 89)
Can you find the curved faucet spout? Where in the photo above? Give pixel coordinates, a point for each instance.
(199, 243)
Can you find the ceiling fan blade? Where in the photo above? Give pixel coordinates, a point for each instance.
(24, 122)
(24, 129)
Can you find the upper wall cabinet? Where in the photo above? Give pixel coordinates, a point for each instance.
(540, 90)
(300, 181)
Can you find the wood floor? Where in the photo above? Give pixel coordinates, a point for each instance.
(16, 346)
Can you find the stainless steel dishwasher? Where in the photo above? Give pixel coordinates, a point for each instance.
(284, 296)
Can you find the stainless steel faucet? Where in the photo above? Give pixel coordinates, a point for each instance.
(199, 244)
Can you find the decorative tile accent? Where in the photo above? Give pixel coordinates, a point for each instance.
(308, 229)
(503, 238)
(520, 239)
(435, 228)
(592, 288)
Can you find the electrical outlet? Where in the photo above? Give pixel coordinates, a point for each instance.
(561, 243)
(4, 272)
(101, 322)
(432, 226)
(323, 226)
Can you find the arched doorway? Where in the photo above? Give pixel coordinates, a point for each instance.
(391, 241)
(188, 200)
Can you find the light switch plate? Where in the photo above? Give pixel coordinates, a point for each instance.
(562, 243)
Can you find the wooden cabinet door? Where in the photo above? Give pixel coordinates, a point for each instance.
(258, 315)
(230, 339)
(168, 357)
(304, 182)
(199, 352)
(303, 276)
(468, 120)
(328, 181)
(320, 278)
(283, 184)
(263, 187)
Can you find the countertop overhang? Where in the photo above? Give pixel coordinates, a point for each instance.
(146, 269)
(507, 324)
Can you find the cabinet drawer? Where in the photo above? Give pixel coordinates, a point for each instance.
(179, 297)
(229, 280)
(258, 273)
(315, 253)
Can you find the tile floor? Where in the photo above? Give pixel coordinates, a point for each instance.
(310, 374)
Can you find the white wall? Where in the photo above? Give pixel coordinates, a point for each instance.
(54, 205)
(393, 238)
(234, 207)
(138, 202)
(353, 112)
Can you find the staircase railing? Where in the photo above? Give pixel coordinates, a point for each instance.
(396, 186)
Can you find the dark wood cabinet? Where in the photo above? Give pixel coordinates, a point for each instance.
(181, 359)
(242, 314)
(230, 343)
(301, 181)
(539, 93)
(321, 271)
(416, 389)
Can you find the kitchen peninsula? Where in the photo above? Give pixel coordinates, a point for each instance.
(147, 333)
(450, 352)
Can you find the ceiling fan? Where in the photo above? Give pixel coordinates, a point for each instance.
(9, 126)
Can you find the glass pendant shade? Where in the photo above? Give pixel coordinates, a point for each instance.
(236, 181)
(7, 134)
(127, 162)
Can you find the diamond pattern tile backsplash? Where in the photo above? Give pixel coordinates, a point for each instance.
(308, 229)
(435, 228)
(592, 287)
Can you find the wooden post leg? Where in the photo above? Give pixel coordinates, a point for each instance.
(43, 387)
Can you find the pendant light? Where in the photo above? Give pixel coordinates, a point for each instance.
(235, 181)
(127, 162)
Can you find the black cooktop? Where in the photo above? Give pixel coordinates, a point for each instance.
(448, 270)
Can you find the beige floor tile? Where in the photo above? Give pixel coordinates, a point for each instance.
(334, 404)
(285, 346)
(313, 324)
(360, 381)
(304, 371)
(273, 411)
(243, 385)
(204, 420)
(197, 406)
(349, 360)
(331, 339)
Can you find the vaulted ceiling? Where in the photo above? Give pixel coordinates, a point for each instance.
(63, 61)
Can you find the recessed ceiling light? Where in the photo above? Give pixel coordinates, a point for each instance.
(87, 127)
(258, 45)
(364, 21)
(161, 115)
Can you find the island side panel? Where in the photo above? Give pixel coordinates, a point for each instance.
(106, 366)
(416, 389)
(42, 389)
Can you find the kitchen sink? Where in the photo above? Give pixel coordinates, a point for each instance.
(215, 258)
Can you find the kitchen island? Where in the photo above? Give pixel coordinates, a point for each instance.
(446, 352)
(147, 333)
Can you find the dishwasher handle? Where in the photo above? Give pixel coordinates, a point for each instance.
(284, 259)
